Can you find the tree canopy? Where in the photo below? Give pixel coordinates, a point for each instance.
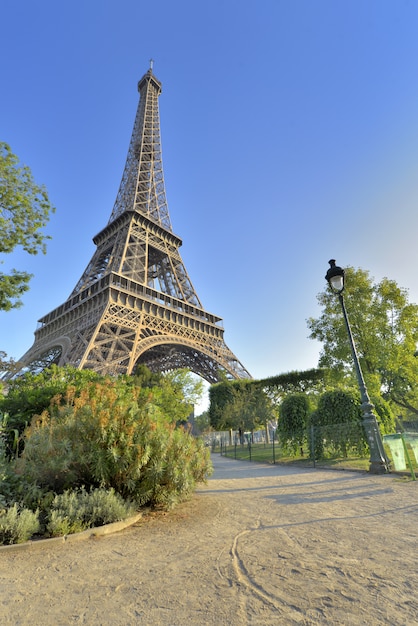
(249, 403)
(240, 405)
(24, 211)
(385, 329)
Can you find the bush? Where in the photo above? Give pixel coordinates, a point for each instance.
(338, 422)
(30, 394)
(9, 482)
(18, 525)
(74, 511)
(177, 463)
(315, 437)
(111, 435)
(293, 418)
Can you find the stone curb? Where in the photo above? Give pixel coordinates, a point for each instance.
(97, 531)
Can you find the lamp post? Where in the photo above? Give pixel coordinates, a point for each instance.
(379, 463)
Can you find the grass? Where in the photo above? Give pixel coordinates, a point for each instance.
(263, 453)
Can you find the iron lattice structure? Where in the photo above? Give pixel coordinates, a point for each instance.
(135, 303)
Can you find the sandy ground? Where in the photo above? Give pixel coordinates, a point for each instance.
(257, 545)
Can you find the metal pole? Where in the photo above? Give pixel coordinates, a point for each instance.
(379, 463)
(313, 444)
(274, 449)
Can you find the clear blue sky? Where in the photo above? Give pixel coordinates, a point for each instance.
(289, 134)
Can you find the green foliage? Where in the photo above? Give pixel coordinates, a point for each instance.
(24, 212)
(7, 486)
(177, 393)
(111, 434)
(31, 394)
(177, 462)
(385, 416)
(94, 438)
(7, 366)
(9, 482)
(311, 381)
(293, 418)
(233, 403)
(240, 405)
(221, 395)
(239, 413)
(144, 377)
(74, 511)
(174, 393)
(337, 421)
(315, 437)
(17, 525)
(338, 407)
(202, 423)
(96, 444)
(385, 330)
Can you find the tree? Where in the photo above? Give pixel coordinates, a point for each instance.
(24, 211)
(175, 392)
(293, 418)
(239, 405)
(385, 331)
(202, 423)
(7, 365)
(265, 393)
(220, 396)
(307, 381)
(239, 413)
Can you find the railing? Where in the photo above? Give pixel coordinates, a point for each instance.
(339, 446)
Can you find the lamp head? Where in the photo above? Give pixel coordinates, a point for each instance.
(335, 277)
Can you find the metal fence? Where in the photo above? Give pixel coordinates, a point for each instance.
(341, 446)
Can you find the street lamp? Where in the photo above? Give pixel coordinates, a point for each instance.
(379, 463)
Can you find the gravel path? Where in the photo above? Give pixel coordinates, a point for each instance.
(258, 544)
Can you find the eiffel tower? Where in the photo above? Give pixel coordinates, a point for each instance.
(134, 303)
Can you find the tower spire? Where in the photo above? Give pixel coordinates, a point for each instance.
(135, 303)
(142, 186)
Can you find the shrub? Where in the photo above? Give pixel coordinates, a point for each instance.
(293, 417)
(111, 435)
(31, 393)
(74, 511)
(177, 462)
(338, 422)
(18, 525)
(315, 437)
(8, 480)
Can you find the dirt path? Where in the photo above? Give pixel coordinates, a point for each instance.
(257, 545)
